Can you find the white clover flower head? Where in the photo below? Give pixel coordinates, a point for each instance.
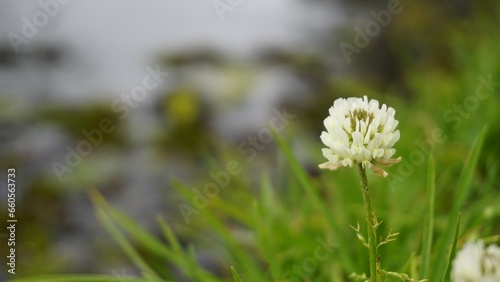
(358, 131)
(473, 263)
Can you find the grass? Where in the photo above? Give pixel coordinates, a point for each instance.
(295, 235)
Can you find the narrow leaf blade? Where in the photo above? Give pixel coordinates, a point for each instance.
(453, 250)
(429, 227)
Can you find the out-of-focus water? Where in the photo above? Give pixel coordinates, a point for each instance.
(107, 44)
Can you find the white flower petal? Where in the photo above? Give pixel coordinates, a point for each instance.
(341, 135)
(357, 139)
(474, 263)
(348, 162)
(326, 138)
(328, 123)
(368, 134)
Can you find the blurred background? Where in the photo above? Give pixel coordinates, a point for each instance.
(67, 65)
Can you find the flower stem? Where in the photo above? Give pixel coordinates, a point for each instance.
(371, 220)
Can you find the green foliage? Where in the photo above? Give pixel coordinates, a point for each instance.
(453, 251)
(429, 227)
(463, 190)
(236, 276)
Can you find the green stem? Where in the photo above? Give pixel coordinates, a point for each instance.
(371, 220)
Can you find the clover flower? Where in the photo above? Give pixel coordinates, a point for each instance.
(358, 131)
(475, 264)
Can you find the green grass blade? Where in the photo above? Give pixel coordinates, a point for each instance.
(189, 261)
(243, 256)
(240, 254)
(311, 191)
(194, 268)
(265, 226)
(463, 190)
(453, 250)
(226, 207)
(236, 276)
(467, 173)
(149, 241)
(429, 227)
(169, 235)
(146, 239)
(265, 246)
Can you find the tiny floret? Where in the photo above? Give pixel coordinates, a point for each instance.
(474, 263)
(359, 131)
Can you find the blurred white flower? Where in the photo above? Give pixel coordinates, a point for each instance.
(475, 264)
(359, 132)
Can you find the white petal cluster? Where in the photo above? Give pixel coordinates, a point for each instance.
(474, 263)
(359, 131)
